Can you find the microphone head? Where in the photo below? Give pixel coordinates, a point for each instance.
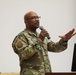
(41, 27)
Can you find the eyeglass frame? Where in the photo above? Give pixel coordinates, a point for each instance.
(33, 17)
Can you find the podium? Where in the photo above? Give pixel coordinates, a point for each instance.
(73, 69)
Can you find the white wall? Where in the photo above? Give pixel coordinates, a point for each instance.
(57, 16)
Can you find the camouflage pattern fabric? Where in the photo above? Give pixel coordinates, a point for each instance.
(33, 53)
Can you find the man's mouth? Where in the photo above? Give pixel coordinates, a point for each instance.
(37, 24)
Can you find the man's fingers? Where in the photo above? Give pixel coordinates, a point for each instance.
(74, 34)
(70, 32)
(61, 37)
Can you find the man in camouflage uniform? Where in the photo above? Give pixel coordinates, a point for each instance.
(32, 48)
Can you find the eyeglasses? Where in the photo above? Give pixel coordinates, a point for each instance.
(34, 17)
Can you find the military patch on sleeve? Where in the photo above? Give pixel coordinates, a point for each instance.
(18, 44)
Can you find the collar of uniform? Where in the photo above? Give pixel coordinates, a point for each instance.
(31, 33)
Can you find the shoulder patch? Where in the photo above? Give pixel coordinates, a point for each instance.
(18, 44)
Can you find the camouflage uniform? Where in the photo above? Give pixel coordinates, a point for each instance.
(33, 53)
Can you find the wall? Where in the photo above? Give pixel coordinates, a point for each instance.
(57, 16)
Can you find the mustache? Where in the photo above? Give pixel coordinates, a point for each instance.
(37, 22)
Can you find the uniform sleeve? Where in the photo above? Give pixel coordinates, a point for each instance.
(58, 46)
(22, 48)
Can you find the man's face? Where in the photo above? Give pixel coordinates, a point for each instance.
(33, 20)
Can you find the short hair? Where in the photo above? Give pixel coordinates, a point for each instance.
(25, 16)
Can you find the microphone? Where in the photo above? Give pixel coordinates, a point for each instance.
(41, 28)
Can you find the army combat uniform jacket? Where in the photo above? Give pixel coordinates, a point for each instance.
(33, 53)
